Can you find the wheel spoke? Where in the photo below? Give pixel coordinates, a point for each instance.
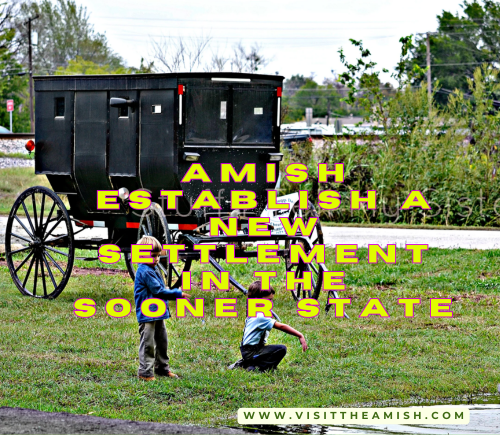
(50, 272)
(20, 237)
(28, 272)
(43, 278)
(46, 224)
(148, 221)
(24, 227)
(24, 261)
(36, 277)
(19, 250)
(53, 261)
(28, 216)
(53, 228)
(313, 267)
(42, 210)
(175, 270)
(313, 284)
(35, 217)
(145, 230)
(56, 250)
(163, 269)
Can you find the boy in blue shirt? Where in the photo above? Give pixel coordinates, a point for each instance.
(153, 345)
(255, 353)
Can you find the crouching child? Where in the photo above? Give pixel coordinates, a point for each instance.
(255, 353)
(153, 358)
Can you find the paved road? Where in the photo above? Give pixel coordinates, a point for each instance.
(434, 238)
(30, 421)
(86, 234)
(484, 419)
(365, 236)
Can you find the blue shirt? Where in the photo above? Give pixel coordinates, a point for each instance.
(148, 284)
(256, 329)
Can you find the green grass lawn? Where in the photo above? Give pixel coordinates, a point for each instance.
(20, 155)
(53, 361)
(13, 181)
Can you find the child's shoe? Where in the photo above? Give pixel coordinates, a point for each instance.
(235, 365)
(166, 373)
(146, 378)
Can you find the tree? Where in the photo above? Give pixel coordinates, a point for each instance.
(325, 100)
(64, 33)
(295, 82)
(178, 54)
(81, 66)
(174, 55)
(460, 45)
(248, 61)
(13, 83)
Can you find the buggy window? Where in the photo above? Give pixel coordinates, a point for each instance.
(59, 106)
(253, 116)
(206, 116)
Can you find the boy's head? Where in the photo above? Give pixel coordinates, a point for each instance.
(157, 247)
(255, 291)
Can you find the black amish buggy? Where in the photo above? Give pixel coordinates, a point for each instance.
(133, 132)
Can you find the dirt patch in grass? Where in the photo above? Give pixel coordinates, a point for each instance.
(473, 297)
(485, 275)
(446, 326)
(437, 272)
(383, 287)
(81, 271)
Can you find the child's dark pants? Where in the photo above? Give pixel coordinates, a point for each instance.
(263, 357)
(152, 348)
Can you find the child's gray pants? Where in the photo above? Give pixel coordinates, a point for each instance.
(153, 348)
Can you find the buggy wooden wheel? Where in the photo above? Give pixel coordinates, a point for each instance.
(154, 223)
(39, 244)
(316, 238)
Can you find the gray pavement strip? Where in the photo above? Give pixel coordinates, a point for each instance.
(30, 421)
(449, 239)
(485, 419)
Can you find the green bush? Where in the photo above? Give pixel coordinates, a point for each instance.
(450, 154)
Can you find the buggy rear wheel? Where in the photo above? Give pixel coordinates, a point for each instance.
(316, 238)
(154, 223)
(39, 244)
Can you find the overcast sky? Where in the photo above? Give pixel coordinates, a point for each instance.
(301, 37)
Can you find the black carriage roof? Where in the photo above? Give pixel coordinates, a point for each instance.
(145, 81)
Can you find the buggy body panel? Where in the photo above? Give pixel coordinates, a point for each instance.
(84, 145)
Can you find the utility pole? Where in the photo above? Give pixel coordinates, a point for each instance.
(30, 61)
(328, 112)
(429, 85)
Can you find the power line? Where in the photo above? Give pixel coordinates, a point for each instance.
(333, 90)
(460, 64)
(253, 38)
(260, 28)
(245, 21)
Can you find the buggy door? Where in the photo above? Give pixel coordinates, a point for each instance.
(91, 135)
(253, 115)
(157, 148)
